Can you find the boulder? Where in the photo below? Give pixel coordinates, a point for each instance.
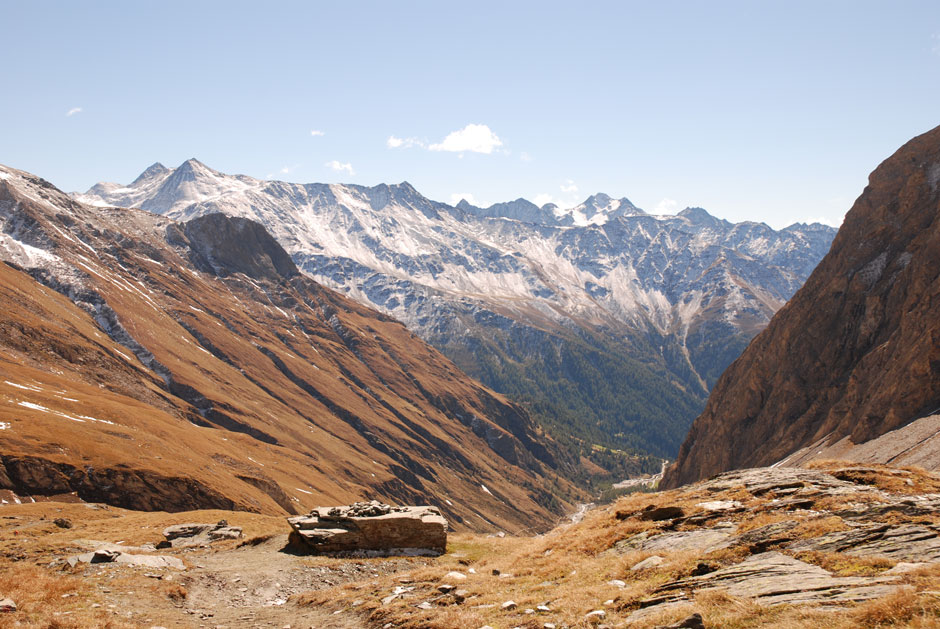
(371, 526)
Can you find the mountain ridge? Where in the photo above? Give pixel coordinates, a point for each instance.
(127, 335)
(667, 301)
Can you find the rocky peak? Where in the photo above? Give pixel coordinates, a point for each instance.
(224, 245)
(190, 169)
(701, 217)
(154, 170)
(854, 354)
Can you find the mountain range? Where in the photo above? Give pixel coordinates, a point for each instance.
(609, 324)
(157, 364)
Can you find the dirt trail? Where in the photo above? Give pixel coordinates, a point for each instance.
(251, 586)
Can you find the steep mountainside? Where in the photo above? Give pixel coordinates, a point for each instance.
(161, 365)
(609, 323)
(856, 352)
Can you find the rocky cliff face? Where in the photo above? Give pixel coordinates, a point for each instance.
(856, 352)
(153, 364)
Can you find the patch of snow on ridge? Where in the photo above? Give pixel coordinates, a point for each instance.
(21, 254)
(4, 425)
(25, 387)
(80, 418)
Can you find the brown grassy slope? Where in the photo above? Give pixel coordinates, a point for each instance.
(281, 395)
(856, 352)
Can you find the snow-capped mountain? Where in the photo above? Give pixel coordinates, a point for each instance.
(605, 319)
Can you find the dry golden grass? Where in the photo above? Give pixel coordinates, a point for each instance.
(816, 527)
(905, 607)
(49, 599)
(899, 480)
(847, 565)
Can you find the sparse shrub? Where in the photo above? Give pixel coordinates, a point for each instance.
(897, 609)
(176, 592)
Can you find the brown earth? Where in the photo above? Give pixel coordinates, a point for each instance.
(856, 352)
(144, 364)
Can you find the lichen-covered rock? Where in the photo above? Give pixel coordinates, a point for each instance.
(371, 526)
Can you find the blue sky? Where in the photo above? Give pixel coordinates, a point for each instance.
(767, 111)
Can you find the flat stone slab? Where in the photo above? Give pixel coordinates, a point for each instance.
(111, 556)
(371, 526)
(909, 542)
(773, 578)
(703, 540)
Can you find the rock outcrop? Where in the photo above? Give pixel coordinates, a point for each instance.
(371, 526)
(856, 352)
(197, 534)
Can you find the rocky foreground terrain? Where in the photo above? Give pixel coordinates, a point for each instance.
(841, 545)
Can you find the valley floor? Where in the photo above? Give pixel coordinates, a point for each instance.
(844, 546)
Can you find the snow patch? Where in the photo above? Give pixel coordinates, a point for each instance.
(80, 418)
(25, 387)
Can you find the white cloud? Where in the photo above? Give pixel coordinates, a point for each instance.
(666, 206)
(340, 167)
(466, 196)
(524, 157)
(73, 111)
(542, 198)
(403, 143)
(568, 187)
(316, 133)
(474, 138)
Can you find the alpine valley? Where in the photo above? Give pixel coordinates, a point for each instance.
(609, 324)
(158, 365)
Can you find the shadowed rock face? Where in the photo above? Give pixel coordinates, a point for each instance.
(856, 352)
(225, 245)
